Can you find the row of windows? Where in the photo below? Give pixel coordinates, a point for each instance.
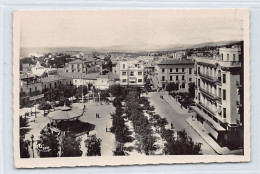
(224, 109)
(234, 57)
(132, 73)
(139, 81)
(45, 86)
(181, 86)
(176, 78)
(177, 70)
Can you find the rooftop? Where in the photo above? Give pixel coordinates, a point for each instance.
(80, 75)
(176, 62)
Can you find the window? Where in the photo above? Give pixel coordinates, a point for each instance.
(132, 73)
(219, 92)
(140, 73)
(189, 79)
(170, 69)
(234, 57)
(199, 70)
(199, 96)
(227, 57)
(222, 56)
(177, 77)
(163, 70)
(199, 82)
(224, 94)
(183, 85)
(123, 73)
(224, 78)
(170, 78)
(183, 69)
(163, 78)
(177, 69)
(124, 80)
(123, 66)
(183, 77)
(163, 86)
(140, 80)
(190, 70)
(224, 113)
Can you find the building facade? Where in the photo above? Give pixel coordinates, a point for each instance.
(131, 73)
(77, 65)
(177, 71)
(218, 95)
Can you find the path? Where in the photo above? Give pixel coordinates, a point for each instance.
(165, 110)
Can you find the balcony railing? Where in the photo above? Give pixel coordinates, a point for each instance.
(207, 77)
(238, 84)
(239, 104)
(207, 109)
(219, 99)
(209, 94)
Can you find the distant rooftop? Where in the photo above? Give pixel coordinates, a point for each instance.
(90, 76)
(176, 62)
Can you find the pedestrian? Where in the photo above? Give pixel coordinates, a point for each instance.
(96, 115)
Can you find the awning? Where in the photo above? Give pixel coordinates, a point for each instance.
(66, 113)
(216, 126)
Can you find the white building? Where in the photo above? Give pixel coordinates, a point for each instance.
(177, 71)
(217, 95)
(131, 73)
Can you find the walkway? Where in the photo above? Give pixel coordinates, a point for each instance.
(205, 135)
(166, 110)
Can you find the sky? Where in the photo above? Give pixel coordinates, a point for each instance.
(136, 28)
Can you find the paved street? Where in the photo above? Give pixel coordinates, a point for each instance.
(165, 110)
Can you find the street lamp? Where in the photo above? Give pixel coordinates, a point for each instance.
(32, 145)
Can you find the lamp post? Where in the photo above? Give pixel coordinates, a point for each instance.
(32, 145)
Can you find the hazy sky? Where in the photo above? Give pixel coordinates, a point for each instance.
(128, 28)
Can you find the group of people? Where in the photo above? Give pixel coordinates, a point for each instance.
(97, 115)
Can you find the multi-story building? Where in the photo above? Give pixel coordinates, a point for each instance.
(77, 65)
(179, 55)
(131, 73)
(217, 95)
(177, 71)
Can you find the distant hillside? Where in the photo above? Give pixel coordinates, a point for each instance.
(138, 48)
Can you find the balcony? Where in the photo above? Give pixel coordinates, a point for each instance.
(208, 78)
(208, 110)
(238, 104)
(208, 94)
(238, 84)
(219, 99)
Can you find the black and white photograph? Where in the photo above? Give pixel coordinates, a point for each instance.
(127, 87)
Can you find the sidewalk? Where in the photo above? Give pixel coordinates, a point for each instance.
(173, 103)
(199, 128)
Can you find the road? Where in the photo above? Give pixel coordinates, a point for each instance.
(165, 110)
